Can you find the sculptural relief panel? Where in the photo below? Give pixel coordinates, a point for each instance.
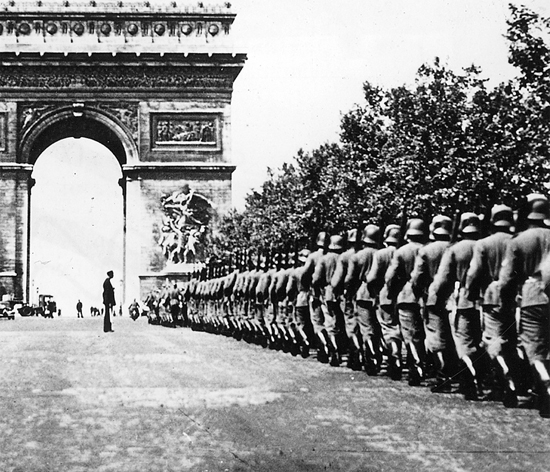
(186, 130)
(125, 112)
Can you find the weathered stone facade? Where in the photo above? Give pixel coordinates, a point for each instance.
(151, 83)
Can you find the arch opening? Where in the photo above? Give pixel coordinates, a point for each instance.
(68, 126)
(76, 222)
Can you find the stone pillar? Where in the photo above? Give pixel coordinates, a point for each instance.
(133, 231)
(14, 229)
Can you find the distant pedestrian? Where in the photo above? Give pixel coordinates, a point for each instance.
(108, 302)
(79, 309)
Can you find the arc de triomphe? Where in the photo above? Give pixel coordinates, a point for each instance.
(152, 81)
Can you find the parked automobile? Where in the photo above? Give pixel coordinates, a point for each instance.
(47, 307)
(7, 310)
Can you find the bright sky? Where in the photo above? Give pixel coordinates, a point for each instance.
(307, 61)
(76, 223)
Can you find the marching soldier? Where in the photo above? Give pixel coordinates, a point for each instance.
(298, 288)
(408, 307)
(439, 343)
(522, 273)
(332, 312)
(343, 291)
(174, 300)
(499, 325)
(361, 324)
(450, 283)
(387, 311)
(316, 312)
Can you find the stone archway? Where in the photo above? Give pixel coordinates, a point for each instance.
(48, 124)
(153, 84)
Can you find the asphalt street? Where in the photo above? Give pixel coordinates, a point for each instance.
(149, 398)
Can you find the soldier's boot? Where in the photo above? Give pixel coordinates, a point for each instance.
(369, 358)
(543, 372)
(442, 380)
(334, 352)
(322, 348)
(354, 353)
(287, 339)
(414, 362)
(471, 387)
(395, 369)
(510, 397)
(294, 339)
(522, 373)
(304, 343)
(271, 339)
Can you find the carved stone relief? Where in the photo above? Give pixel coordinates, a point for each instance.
(125, 112)
(185, 220)
(185, 130)
(109, 77)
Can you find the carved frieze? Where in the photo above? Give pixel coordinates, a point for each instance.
(185, 130)
(125, 112)
(110, 77)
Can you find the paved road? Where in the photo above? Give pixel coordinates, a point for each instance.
(148, 398)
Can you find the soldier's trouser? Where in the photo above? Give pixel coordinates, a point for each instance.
(368, 322)
(389, 324)
(317, 315)
(499, 331)
(351, 318)
(410, 320)
(467, 332)
(175, 312)
(438, 329)
(302, 317)
(334, 318)
(107, 319)
(259, 318)
(534, 332)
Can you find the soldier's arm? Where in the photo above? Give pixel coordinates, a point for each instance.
(280, 286)
(443, 284)
(337, 280)
(420, 277)
(375, 276)
(394, 276)
(291, 288)
(475, 274)
(351, 279)
(318, 280)
(510, 273)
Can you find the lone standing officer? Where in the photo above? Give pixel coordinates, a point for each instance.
(108, 302)
(79, 309)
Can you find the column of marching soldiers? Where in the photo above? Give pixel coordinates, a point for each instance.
(469, 316)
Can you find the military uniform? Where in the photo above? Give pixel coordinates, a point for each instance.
(361, 323)
(522, 271)
(388, 318)
(449, 287)
(332, 312)
(408, 308)
(439, 342)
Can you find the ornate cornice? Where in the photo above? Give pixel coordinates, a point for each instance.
(58, 25)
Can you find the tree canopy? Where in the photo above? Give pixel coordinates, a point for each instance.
(448, 143)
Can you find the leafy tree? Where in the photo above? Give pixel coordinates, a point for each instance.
(446, 144)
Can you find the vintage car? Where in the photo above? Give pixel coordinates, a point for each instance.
(7, 310)
(47, 307)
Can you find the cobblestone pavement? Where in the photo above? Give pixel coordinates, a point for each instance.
(147, 398)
